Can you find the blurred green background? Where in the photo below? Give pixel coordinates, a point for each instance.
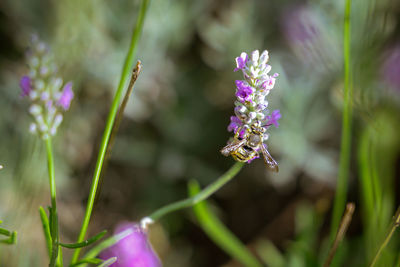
(175, 124)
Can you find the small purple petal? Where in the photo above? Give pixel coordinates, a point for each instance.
(243, 91)
(235, 124)
(132, 251)
(26, 85)
(242, 132)
(273, 118)
(241, 61)
(66, 96)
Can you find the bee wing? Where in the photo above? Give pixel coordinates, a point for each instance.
(268, 160)
(232, 146)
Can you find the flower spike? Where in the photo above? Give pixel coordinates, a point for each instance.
(251, 120)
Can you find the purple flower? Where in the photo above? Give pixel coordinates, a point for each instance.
(273, 118)
(65, 99)
(235, 124)
(391, 68)
(243, 91)
(26, 85)
(132, 251)
(241, 61)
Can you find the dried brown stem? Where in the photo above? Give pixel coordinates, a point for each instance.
(344, 224)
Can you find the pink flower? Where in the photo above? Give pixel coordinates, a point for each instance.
(132, 251)
(66, 96)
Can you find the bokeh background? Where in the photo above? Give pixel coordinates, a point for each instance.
(175, 122)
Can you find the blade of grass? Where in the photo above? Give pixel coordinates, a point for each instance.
(86, 242)
(110, 122)
(345, 147)
(217, 232)
(46, 229)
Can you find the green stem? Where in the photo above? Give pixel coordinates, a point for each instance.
(345, 148)
(205, 193)
(53, 209)
(109, 124)
(50, 166)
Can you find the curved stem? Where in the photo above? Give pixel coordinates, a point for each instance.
(109, 124)
(205, 193)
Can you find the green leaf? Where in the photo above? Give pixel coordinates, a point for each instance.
(216, 231)
(84, 243)
(46, 229)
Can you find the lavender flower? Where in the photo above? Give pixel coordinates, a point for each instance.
(45, 91)
(251, 92)
(391, 68)
(273, 118)
(132, 251)
(251, 122)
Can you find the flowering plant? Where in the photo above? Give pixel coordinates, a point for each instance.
(252, 118)
(48, 94)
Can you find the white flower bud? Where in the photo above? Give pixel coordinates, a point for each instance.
(254, 57)
(34, 62)
(264, 57)
(260, 116)
(39, 84)
(35, 109)
(45, 96)
(33, 95)
(32, 128)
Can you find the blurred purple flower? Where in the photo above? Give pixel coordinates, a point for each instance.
(66, 96)
(132, 251)
(391, 68)
(243, 91)
(299, 24)
(241, 61)
(273, 118)
(235, 124)
(26, 85)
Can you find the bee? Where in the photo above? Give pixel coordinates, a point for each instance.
(247, 146)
